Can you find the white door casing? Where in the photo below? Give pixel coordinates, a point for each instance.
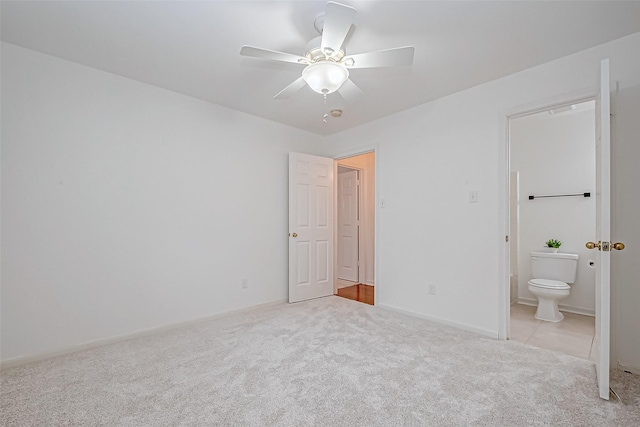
(603, 231)
(348, 226)
(310, 227)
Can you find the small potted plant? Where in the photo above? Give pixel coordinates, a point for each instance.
(552, 245)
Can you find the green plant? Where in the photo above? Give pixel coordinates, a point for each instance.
(553, 243)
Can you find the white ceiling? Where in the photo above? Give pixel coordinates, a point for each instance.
(193, 47)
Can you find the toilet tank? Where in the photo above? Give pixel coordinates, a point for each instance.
(554, 266)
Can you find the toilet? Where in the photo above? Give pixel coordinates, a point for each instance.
(552, 273)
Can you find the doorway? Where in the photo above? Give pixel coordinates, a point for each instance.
(552, 182)
(355, 228)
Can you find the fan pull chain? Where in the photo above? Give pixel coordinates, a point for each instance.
(326, 115)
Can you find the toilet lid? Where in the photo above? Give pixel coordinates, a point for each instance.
(549, 284)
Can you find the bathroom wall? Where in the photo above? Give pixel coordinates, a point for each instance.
(555, 154)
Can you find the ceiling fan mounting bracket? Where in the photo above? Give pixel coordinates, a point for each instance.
(316, 54)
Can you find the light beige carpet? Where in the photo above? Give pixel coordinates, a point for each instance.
(330, 362)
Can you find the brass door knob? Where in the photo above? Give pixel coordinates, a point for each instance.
(592, 245)
(294, 235)
(618, 246)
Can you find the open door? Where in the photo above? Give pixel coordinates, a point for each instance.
(310, 227)
(603, 232)
(348, 226)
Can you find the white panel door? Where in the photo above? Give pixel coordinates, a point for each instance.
(603, 232)
(348, 225)
(310, 227)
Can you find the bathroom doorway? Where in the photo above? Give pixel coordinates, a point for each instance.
(355, 227)
(552, 180)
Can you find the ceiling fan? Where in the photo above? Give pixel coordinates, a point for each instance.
(326, 61)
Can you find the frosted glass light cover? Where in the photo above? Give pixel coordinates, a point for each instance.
(325, 77)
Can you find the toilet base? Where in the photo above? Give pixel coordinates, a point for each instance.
(548, 311)
(548, 303)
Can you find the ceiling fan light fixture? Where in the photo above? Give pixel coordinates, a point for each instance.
(325, 77)
(327, 66)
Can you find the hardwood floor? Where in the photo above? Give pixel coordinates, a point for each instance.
(359, 292)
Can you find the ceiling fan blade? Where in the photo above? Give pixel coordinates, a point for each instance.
(381, 58)
(349, 91)
(257, 52)
(337, 22)
(295, 86)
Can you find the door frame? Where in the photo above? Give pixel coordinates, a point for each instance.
(504, 264)
(373, 148)
(361, 266)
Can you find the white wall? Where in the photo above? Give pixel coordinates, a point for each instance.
(367, 163)
(127, 207)
(431, 156)
(555, 154)
(140, 203)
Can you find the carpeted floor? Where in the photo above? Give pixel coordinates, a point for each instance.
(330, 362)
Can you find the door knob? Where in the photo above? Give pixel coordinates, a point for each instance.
(592, 245)
(294, 235)
(605, 246)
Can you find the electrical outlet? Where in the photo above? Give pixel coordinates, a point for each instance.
(245, 283)
(432, 289)
(473, 197)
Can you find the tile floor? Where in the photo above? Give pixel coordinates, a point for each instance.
(573, 335)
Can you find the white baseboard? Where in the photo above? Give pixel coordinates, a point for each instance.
(561, 307)
(19, 361)
(463, 326)
(527, 301)
(632, 369)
